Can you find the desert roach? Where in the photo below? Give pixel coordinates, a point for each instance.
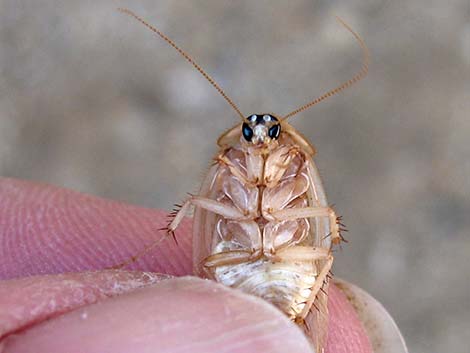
(262, 223)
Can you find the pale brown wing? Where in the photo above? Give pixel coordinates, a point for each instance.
(316, 322)
(317, 198)
(204, 222)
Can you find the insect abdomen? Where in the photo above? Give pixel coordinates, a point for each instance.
(285, 285)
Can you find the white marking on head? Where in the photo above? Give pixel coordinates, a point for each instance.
(260, 132)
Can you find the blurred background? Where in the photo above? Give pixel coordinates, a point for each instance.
(93, 101)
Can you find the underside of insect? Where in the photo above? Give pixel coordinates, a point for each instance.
(262, 223)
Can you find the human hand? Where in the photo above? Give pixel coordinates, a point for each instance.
(49, 234)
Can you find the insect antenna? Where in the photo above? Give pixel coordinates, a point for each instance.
(360, 75)
(186, 56)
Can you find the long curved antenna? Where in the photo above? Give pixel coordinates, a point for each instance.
(187, 57)
(361, 74)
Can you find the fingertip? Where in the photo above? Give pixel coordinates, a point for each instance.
(54, 230)
(184, 315)
(28, 301)
(346, 333)
(379, 326)
(49, 230)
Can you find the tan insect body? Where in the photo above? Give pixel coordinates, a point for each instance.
(262, 222)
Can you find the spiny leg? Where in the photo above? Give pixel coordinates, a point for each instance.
(309, 254)
(135, 257)
(177, 216)
(178, 210)
(315, 323)
(319, 283)
(341, 228)
(224, 210)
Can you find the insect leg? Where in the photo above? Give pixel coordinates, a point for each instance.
(222, 159)
(302, 254)
(135, 257)
(176, 218)
(226, 211)
(231, 257)
(310, 212)
(321, 278)
(313, 318)
(277, 163)
(222, 209)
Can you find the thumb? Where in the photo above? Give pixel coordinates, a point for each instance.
(176, 315)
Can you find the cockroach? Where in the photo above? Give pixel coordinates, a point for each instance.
(262, 223)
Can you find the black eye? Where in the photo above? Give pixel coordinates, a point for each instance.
(274, 131)
(247, 132)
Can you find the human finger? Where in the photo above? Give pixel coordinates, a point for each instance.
(49, 230)
(176, 315)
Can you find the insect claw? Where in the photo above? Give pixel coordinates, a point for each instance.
(172, 233)
(342, 239)
(305, 323)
